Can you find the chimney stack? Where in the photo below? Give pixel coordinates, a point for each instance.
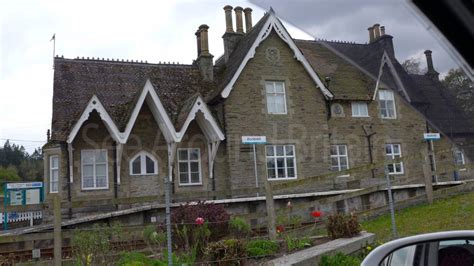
(431, 72)
(371, 34)
(382, 30)
(376, 31)
(198, 40)
(228, 19)
(204, 60)
(248, 19)
(231, 38)
(238, 19)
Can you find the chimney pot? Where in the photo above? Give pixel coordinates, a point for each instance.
(228, 19)
(376, 31)
(198, 40)
(371, 34)
(238, 19)
(382, 30)
(248, 19)
(204, 39)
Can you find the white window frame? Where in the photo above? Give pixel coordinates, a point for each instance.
(274, 93)
(338, 156)
(143, 155)
(51, 171)
(382, 92)
(393, 156)
(189, 161)
(284, 156)
(356, 106)
(94, 170)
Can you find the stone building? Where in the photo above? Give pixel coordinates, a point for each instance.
(120, 128)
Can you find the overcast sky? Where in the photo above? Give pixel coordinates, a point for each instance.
(159, 31)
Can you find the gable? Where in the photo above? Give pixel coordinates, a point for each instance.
(270, 23)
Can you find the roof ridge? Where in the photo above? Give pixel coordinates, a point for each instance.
(316, 40)
(120, 61)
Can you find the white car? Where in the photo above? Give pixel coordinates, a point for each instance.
(450, 248)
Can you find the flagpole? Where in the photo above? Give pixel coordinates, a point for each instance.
(54, 46)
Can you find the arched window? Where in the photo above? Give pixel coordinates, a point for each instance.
(143, 164)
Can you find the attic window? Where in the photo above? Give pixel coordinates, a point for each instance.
(359, 109)
(276, 98)
(143, 164)
(387, 104)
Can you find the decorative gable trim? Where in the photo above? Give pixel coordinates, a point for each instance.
(164, 122)
(95, 104)
(208, 124)
(386, 60)
(274, 23)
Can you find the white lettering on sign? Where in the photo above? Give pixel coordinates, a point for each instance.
(431, 136)
(254, 139)
(24, 185)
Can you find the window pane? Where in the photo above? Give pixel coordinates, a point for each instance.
(279, 150)
(280, 163)
(396, 149)
(194, 154)
(183, 154)
(289, 150)
(355, 110)
(87, 171)
(391, 169)
(388, 149)
(280, 103)
(333, 149)
(291, 172)
(269, 87)
(88, 182)
(342, 150)
(195, 167)
(398, 168)
(183, 178)
(271, 173)
(101, 156)
(270, 151)
(101, 170)
(279, 87)
(54, 176)
(343, 161)
(271, 103)
(270, 163)
(54, 187)
(54, 161)
(289, 162)
(101, 181)
(136, 166)
(150, 165)
(335, 163)
(88, 157)
(195, 178)
(281, 172)
(183, 167)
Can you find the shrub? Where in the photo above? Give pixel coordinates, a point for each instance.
(239, 227)
(261, 248)
(134, 259)
(295, 243)
(227, 252)
(342, 225)
(212, 213)
(154, 239)
(339, 259)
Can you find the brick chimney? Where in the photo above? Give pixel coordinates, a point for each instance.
(371, 34)
(231, 38)
(204, 60)
(431, 72)
(248, 19)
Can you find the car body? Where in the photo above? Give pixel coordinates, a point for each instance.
(441, 248)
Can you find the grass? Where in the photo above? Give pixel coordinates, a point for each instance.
(454, 213)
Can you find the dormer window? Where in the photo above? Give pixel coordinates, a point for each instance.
(276, 98)
(143, 164)
(387, 104)
(359, 109)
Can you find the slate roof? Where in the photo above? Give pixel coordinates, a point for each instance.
(347, 81)
(428, 96)
(118, 86)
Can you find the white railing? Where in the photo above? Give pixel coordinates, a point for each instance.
(22, 216)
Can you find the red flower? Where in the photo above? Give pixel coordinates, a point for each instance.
(316, 214)
(199, 221)
(280, 229)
